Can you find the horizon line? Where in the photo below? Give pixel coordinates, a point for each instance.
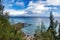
(32, 17)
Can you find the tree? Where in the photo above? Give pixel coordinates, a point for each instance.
(59, 32)
(52, 27)
(43, 29)
(40, 32)
(51, 22)
(6, 14)
(1, 7)
(8, 31)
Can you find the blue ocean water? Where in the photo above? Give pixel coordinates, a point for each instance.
(34, 21)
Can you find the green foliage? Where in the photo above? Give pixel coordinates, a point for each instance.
(8, 31)
(41, 32)
(52, 27)
(1, 7)
(43, 29)
(59, 32)
(50, 34)
(13, 32)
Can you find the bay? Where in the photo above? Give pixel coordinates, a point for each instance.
(34, 21)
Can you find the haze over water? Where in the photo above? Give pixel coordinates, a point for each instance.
(30, 30)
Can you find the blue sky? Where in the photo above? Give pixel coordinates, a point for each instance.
(31, 7)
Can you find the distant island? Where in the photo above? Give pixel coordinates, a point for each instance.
(30, 17)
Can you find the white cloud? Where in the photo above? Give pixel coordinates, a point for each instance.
(36, 7)
(20, 3)
(53, 2)
(56, 14)
(15, 12)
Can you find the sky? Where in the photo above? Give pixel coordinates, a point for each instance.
(32, 7)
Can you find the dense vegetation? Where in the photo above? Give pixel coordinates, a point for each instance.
(10, 32)
(50, 33)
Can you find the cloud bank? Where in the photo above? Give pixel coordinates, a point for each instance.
(35, 8)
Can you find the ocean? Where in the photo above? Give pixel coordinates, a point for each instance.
(34, 21)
